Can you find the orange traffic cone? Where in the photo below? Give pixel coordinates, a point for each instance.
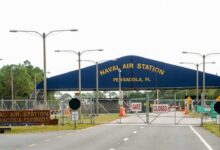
(186, 112)
(122, 111)
(180, 108)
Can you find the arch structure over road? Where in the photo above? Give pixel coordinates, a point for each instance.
(136, 73)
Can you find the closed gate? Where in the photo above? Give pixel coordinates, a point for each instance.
(144, 111)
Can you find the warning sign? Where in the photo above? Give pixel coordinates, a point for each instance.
(188, 100)
(136, 107)
(218, 99)
(160, 108)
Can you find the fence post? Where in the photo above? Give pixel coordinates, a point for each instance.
(175, 109)
(2, 104)
(147, 108)
(62, 112)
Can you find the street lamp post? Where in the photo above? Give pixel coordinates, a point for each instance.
(120, 94)
(35, 91)
(79, 53)
(119, 86)
(12, 88)
(203, 57)
(97, 84)
(97, 81)
(197, 75)
(43, 36)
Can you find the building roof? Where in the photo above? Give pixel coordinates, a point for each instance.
(137, 73)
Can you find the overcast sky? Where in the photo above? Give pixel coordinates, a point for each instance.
(155, 29)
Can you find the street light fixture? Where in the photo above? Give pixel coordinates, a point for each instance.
(203, 57)
(43, 36)
(79, 53)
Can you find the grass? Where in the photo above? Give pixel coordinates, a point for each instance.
(213, 128)
(47, 128)
(210, 126)
(86, 123)
(194, 114)
(68, 124)
(198, 115)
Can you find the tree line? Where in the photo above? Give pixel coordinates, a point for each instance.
(21, 77)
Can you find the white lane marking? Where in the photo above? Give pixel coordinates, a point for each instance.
(31, 145)
(142, 127)
(134, 132)
(201, 138)
(111, 149)
(69, 134)
(126, 124)
(47, 140)
(125, 139)
(59, 136)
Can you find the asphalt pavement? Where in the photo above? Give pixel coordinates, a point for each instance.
(116, 137)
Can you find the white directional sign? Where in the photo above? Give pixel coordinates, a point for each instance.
(75, 116)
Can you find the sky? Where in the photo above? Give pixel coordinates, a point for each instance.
(154, 29)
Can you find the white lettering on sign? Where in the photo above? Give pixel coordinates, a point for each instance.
(159, 108)
(136, 107)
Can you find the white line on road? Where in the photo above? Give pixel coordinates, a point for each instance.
(142, 127)
(69, 134)
(125, 139)
(134, 132)
(111, 149)
(31, 145)
(47, 140)
(59, 136)
(201, 138)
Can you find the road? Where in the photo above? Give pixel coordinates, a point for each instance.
(116, 137)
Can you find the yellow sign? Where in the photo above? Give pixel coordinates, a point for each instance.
(77, 94)
(189, 100)
(218, 98)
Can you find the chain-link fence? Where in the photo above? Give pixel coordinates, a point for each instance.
(140, 110)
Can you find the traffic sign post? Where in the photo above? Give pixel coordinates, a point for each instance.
(75, 117)
(75, 104)
(218, 119)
